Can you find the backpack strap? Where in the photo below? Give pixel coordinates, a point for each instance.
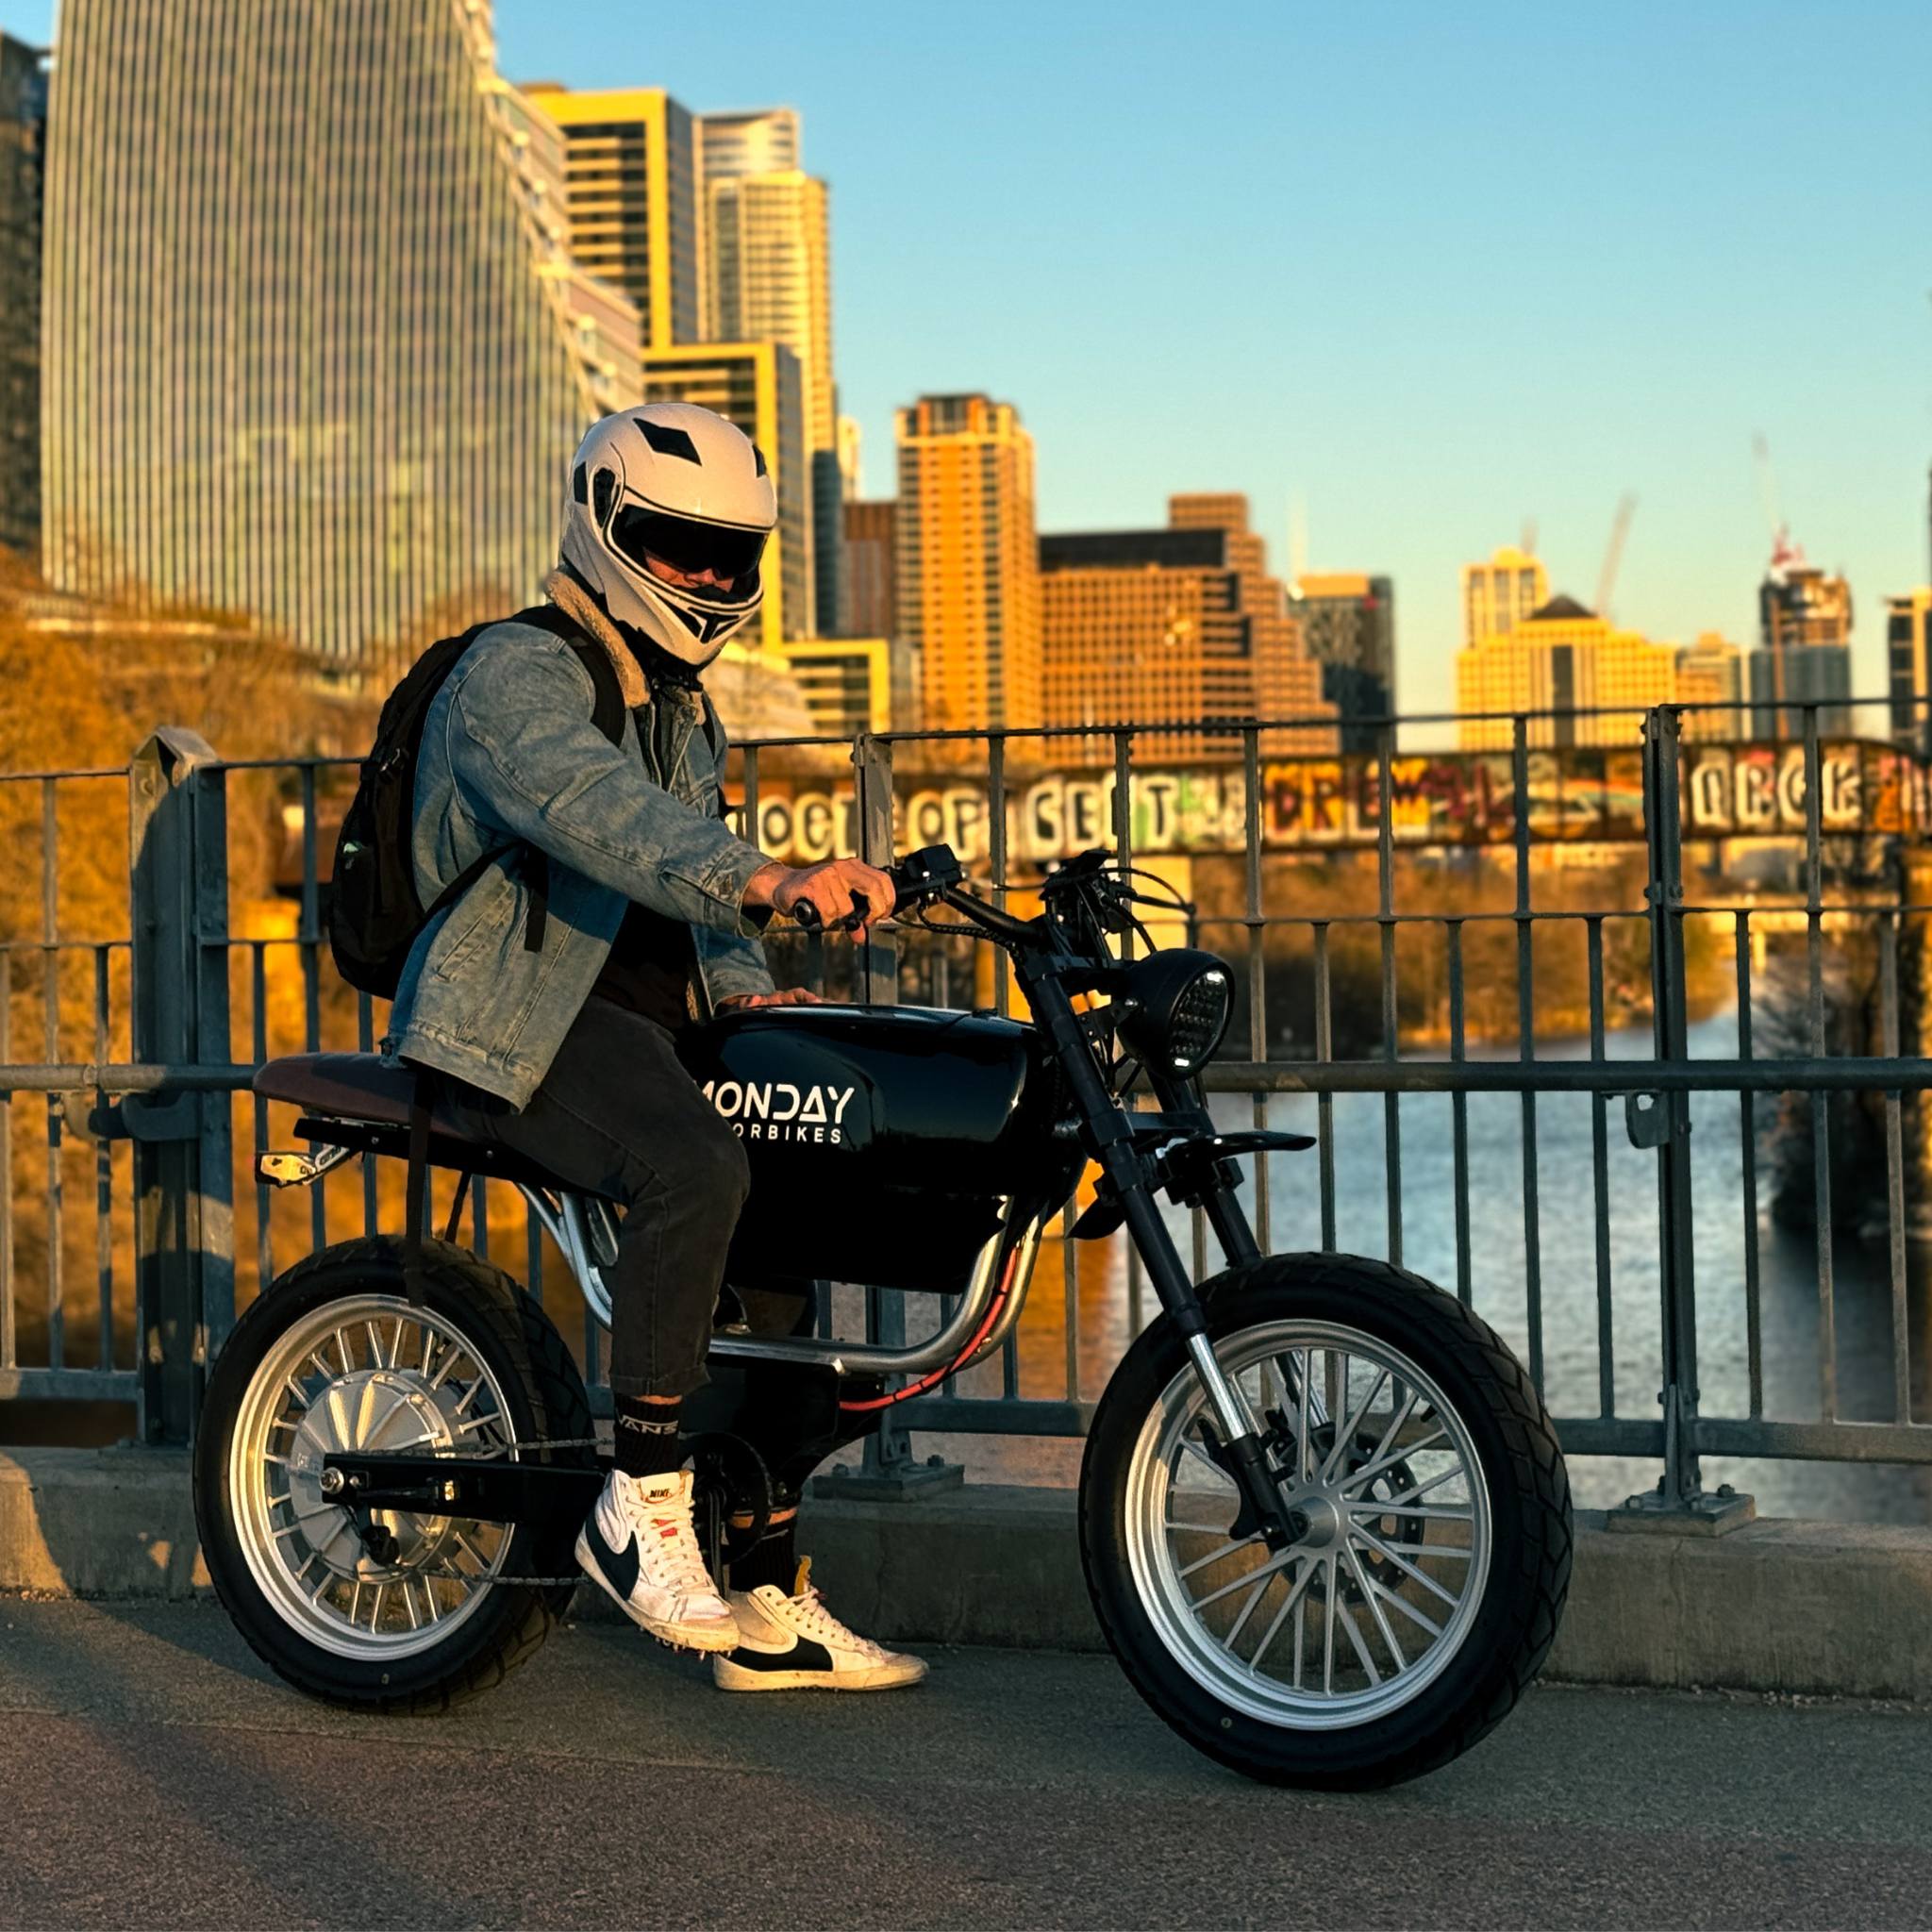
(607, 714)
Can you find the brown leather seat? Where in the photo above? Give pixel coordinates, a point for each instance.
(348, 1087)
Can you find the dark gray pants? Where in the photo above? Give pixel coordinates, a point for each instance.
(618, 1115)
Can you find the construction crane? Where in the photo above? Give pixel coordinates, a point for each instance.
(1613, 554)
(1783, 551)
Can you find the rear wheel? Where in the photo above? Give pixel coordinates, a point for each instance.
(385, 1609)
(1432, 1511)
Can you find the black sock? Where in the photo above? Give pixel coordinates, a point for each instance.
(773, 1558)
(647, 1440)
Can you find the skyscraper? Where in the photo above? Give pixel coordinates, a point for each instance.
(768, 246)
(761, 140)
(1161, 627)
(1499, 593)
(631, 184)
(303, 355)
(1287, 682)
(1909, 667)
(1804, 649)
(755, 386)
(23, 142)
(1348, 628)
(1561, 659)
(968, 562)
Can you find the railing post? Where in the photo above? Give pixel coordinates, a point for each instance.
(184, 1232)
(1680, 1500)
(886, 1466)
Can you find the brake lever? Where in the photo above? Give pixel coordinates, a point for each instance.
(807, 915)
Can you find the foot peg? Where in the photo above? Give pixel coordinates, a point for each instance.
(298, 1170)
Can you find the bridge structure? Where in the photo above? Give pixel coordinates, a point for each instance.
(130, 1227)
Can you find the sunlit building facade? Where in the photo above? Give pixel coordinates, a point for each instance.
(22, 145)
(768, 251)
(1497, 594)
(1561, 660)
(632, 177)
(1161, 628)
(847, 682)
(306, 355)
(759, 141)
(1909, 668)
(1287, 682)
(755, 386)
(967, 578)
(1710, 681)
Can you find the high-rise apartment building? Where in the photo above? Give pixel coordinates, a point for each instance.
(1348, 628)
(303, 357)
(756, 385)
(1909, 668)
(631, 186)
(1496, 595)
(1804, 654)
(1164, 627)
(761, 140)
(23, 145)
(769, 255)
(1565, 660)
(851, 467)
(968, 562)
(1287, 683)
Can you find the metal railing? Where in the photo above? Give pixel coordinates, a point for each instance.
(143, 1035)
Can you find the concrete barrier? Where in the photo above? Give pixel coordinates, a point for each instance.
(1799, 1607)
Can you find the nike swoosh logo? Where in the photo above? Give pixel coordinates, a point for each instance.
(619, 1566)
(804, 1655)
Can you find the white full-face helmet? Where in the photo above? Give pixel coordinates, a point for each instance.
(677, 483)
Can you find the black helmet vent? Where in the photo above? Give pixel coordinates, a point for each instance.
(668, 441)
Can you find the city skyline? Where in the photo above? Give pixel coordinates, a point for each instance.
(1344, 185)
(1655, 384)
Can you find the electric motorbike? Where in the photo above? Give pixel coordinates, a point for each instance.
(1322, 1514)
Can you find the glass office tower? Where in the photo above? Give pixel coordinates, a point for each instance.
(303, 355)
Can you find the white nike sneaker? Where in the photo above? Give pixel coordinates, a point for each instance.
(638, 1547)
(795, 1643)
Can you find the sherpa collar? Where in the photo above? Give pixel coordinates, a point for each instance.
(581, 608)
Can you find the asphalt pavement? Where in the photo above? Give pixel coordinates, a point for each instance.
(152, 1774)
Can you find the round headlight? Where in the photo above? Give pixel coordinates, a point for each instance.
(1175, 1007)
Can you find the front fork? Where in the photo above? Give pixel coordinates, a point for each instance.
(1243, 1450)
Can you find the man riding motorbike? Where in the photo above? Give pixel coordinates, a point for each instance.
(548, 1019)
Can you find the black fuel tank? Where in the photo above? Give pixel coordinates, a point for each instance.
(881, 1139)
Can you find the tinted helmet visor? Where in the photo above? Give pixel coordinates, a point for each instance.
(686, 545)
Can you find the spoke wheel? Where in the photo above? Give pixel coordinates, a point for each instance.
(1427, 1504)
(370, 1372)
(1367, 1608)
(366, 1345)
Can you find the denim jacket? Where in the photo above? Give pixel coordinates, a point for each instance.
(511, 753)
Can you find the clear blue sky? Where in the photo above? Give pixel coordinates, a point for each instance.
(1429, 269)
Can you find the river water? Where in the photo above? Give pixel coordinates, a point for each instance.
(1567, 1230)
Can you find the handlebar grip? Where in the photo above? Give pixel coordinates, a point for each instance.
(808, 915)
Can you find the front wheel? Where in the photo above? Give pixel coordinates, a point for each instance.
(1432, 1510)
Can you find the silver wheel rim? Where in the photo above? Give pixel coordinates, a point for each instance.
(376, 1372)
(1363, 1613)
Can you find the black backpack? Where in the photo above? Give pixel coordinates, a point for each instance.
(373, 913)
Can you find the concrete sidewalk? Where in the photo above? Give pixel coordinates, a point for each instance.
(1799, 1607)
(152, 1773)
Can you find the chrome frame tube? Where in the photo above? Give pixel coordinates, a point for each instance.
(567, 1223)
